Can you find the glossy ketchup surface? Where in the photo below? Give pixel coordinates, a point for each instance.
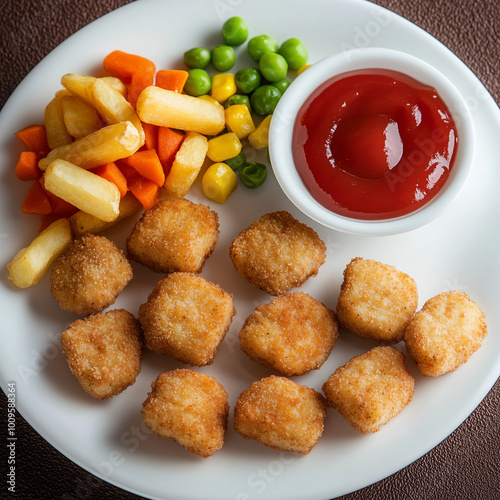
(374, 144)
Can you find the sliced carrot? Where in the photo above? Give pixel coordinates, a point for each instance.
(126, 169)
(58, 205)
(151, 136)
(123, 65)
(35, 139)
(169, 142)
(172, 79)
(113, 174)
(145, 190)
(138, 83)
(61, 207)
(48, 219)
(36, 201)
(135, 71)
(148, 165)
(26, 168)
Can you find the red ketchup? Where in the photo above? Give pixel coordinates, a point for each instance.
(374, 144)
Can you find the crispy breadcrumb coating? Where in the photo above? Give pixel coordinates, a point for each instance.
(293, 334)
(277, 253)
(376, 300)
(174, 235)
(370, 389)
(190, 408)
(186, 317)
(281, 414)
(445, 333)
(89, 275)
(104, 352)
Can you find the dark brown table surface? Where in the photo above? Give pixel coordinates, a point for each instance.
(466, 464)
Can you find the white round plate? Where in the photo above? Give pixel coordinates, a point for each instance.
(459, 251)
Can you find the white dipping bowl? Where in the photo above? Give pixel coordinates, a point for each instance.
(282, 126)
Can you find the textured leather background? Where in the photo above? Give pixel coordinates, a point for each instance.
(463, 466)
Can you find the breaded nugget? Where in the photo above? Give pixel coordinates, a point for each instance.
(104, 352)
(376, 300)
(293, 334)
(174, 235)
(186, 317)
(190, 408)
(89, 275)
(445, 333)
(370, 389)
(281, 414)
(277, 253)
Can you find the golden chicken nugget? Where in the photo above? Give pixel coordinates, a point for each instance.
(104, 352)
(370, 389)
(376, 300)
(277, 253)
(186, 317)
(293, 334)
(281, 414)
(190, 408)
(445, 333)
(89, 275)
(174, 236)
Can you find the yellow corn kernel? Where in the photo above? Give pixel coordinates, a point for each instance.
(302, 69)
(218, 182)
(259, 138)
(206, 97)
(223, 87)
(223, 147)
(239, 120)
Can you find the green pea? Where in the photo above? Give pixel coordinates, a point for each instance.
(259, 45)
(237, 161)
(238, 99)
(253, 174)
(234, 31)
(197, 57)
(223, 57)
(273, 66)
(264, 99)
(282, 84)
(247, 80)
(295, 53)
(198, 82)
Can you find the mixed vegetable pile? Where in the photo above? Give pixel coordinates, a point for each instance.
(112, 145)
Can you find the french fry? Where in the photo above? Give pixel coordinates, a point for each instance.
(105, 145)
(62, 93)
(80, 118)
(180, 111)
(83, 189)
(116, 83)
(55, 128)
(187, 164)
(113, 107)
(30, 264)
(79, 85)
(83, 223)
